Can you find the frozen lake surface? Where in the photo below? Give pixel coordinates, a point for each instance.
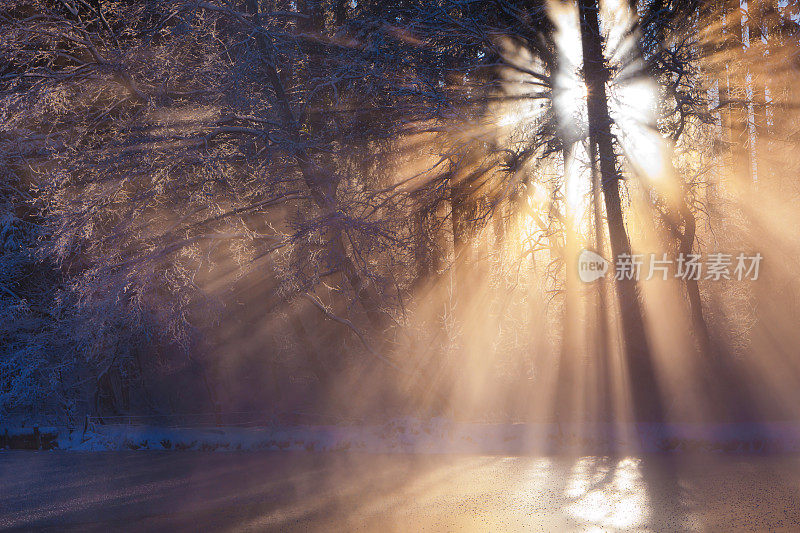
(258, 491)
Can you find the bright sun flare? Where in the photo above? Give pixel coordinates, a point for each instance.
(633, 105)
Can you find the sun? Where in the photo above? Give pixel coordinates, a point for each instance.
(633, 104)
(633, 101)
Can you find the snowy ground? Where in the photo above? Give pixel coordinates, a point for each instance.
(300, 491)
(441, 436)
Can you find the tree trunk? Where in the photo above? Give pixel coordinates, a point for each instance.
(322, 183)
(340, 11)
(644, 385)
(605, 403)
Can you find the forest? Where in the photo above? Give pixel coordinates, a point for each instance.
(363, 209)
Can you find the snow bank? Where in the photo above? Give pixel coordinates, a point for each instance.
(441, 436)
